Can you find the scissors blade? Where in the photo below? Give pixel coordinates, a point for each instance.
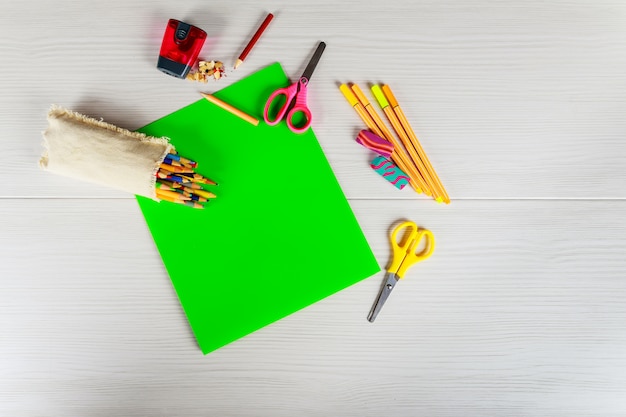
(308, 71)
(390, 282)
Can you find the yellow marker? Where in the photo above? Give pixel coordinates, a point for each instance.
(407, 127)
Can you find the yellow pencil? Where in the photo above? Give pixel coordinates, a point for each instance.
(176, 185)
(398, 156)
(181, 189)
(167, 198)
(407, 127)
(192, 196)
(192, 204)
(179, 201)
(171, 194)
(197, 191)
(175, 163)
(231, 109)
(197, 178)
(174, 168)
(205, 194)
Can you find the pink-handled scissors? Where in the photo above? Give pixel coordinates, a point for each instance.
(295, 99)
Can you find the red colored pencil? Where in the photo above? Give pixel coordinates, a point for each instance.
(254, 39)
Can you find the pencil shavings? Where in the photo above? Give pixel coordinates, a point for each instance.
(206, 70)
(390, 172)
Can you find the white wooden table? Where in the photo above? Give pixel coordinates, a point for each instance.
(521, 107)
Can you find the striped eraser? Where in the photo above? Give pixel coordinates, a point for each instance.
(375, 143)
(390, 172)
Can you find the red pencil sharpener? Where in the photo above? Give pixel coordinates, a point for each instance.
(181, 45)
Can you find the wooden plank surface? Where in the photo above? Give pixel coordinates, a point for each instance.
(520, 312)
(510, 100)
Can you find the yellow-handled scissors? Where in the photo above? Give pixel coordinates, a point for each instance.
(404, 256)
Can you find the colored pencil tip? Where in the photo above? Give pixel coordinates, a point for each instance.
(239, 62)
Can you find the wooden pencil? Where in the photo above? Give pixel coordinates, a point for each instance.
(176, 169)
(412, 168)
(197, 178)
(254, 39)
(177, 182)
(171, 194)
(173, 184)
(191, 194)
(177, 200)
(184, 161)
(231, 109)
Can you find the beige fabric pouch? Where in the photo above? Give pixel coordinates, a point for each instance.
(90, 150)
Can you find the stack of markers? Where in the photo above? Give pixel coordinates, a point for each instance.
(178, 182)
(415, 163)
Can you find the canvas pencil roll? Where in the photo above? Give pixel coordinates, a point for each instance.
(91, 150)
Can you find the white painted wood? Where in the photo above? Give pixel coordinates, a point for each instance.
(520, 312)
(511, 100)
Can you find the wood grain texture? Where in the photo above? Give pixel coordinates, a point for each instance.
(520, 312)
(510, 100)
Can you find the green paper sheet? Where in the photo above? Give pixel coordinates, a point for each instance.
(279, 236)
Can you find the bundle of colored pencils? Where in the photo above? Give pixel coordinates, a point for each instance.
(415, 164)
(177, 182)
